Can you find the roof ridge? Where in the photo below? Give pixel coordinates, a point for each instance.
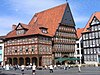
(97, 15)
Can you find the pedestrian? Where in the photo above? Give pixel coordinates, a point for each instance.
(45, 67)
(15, 67)
(34, 69)
(79, 68)
(55, 67)
(66, 65)
(22, 69)
(7, 67)
(51, 68)
(69, 66)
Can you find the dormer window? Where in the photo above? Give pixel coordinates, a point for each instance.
(20, 32)
(20, 29)
(88, 28)
(43, 30)
(95, 21)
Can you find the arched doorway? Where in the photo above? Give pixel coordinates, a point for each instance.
(15, 61)
(10, 61)
(34, 61)
(27, 61)
(21, 61)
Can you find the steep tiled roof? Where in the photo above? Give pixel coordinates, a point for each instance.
(79, 31)
(97, 15)
(24, 26)
(49, 19)
(13, 32)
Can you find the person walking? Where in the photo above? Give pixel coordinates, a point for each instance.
(34, 69)
(79, 68)
(55, 67)
(66, 66)
(51, 68)
(22, 69)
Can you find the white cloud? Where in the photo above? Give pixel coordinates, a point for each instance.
(81, 21)
(6, 24)
(3, 32)
(32, 6)
(81, 18)
(8, 21)
(23, 10)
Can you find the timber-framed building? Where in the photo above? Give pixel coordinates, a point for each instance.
(91, 40)
(50, 34)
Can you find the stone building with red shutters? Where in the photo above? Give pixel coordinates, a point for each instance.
(50, 34)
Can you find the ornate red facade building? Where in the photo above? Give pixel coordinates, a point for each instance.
(50, 34)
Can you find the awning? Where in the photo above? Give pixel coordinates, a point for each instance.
(60, 59)
(67, 59)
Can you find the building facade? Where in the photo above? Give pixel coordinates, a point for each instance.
(1, 50)
(49, 35)
(65, 36)
(91, 40)
(79, 46)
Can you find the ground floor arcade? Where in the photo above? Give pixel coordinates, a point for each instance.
(29, 60)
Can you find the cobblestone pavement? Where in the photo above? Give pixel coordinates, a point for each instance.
(71, 71)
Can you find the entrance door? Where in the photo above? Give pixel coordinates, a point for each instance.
(21, 61)
(34, 61)
(15, 61)
(27, 61)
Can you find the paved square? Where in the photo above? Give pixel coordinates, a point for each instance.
(71, 71)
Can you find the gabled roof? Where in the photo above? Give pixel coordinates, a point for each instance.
(97, 15)
(22, 25)
(13, 32)
(79, 31)
(49, 19)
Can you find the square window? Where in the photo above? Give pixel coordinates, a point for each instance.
(78, 45)
(21, 49)
(32, 49)
(78, 52)
(0, 47)
(26, 49)
(15, 51)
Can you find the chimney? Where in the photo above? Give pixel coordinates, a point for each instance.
(78, 28)
(13, 27)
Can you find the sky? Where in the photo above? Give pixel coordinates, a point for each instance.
(22, 11)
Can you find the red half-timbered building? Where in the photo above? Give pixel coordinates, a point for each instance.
(50, 34)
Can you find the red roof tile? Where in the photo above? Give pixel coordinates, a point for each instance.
(24, 26)
(97, 15)
(49, 19)
(79, 31)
